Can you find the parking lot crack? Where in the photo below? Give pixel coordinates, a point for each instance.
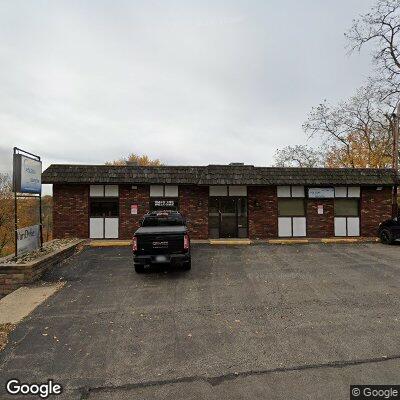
(219, 379)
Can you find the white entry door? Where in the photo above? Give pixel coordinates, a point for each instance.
(96, 226)
(103, 228)
(111, 228)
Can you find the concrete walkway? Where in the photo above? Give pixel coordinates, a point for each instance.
(20, 303)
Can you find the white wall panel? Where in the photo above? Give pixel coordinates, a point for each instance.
(156, 191)
(297, 191)
(237, 190)
(171, 190)
(96, 228)
(353, 226)
(111, 228)
(354, 191)
(111, 190)
(284, 226)
(96, 190)
(341, 191)
(283, 191)
(340, 226)
(218, 190)
(299, 226)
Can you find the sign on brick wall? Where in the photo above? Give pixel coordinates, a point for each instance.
(321, 193)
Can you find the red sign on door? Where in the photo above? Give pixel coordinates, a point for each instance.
(134, 209)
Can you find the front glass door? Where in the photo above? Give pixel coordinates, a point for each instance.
(228, 222)
(227, 217)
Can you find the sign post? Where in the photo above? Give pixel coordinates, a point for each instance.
(395, 159)
(27, 183)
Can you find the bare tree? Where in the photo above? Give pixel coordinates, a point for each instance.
(357, 130)
(298, 156)
(381, 28)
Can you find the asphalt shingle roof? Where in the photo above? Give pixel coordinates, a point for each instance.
(215, 175)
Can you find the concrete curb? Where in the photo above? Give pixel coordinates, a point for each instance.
(324, 240)
(235, 242)
(108, 243)
(288, 241)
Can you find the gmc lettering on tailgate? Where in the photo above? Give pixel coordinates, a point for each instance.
(160, 245)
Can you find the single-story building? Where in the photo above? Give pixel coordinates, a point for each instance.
(221, 201)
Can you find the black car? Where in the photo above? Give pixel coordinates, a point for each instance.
(162, 238)
(389, 230)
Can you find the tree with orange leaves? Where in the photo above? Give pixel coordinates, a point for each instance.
(135, 159)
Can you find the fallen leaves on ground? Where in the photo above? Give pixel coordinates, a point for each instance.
(5, 330)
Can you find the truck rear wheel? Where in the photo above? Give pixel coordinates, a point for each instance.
(139, 268)
(386, 236)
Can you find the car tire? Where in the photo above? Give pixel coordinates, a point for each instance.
(386, 236)
(187, 266)
(139, 268)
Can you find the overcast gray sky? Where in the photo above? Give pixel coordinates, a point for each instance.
(188, 82)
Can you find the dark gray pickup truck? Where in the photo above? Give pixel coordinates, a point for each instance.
(161, 238)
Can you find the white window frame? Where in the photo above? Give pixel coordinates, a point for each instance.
(297, 225)
(353, 192)
(111, 191)
(292, 226)
(238, 191)
(170, 191)
(156, 190)
(291, 191)
(96, 190)
(104, 191)
(227, 191)
(351, 226)
(354, 222)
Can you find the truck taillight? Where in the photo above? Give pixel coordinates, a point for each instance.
(134, 243)
(186, 242)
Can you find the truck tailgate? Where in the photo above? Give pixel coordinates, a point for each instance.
(160, 244)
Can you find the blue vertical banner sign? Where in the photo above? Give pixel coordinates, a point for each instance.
(27, 182)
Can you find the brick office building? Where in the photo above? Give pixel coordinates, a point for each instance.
(241, 201)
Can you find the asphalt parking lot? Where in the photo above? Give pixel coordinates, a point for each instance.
(247, 322)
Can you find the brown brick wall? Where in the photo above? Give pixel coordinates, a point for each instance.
(193, 204)
(70, 211)
(128, 223)
(376, 206)
(320, 225)
(263, 212)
